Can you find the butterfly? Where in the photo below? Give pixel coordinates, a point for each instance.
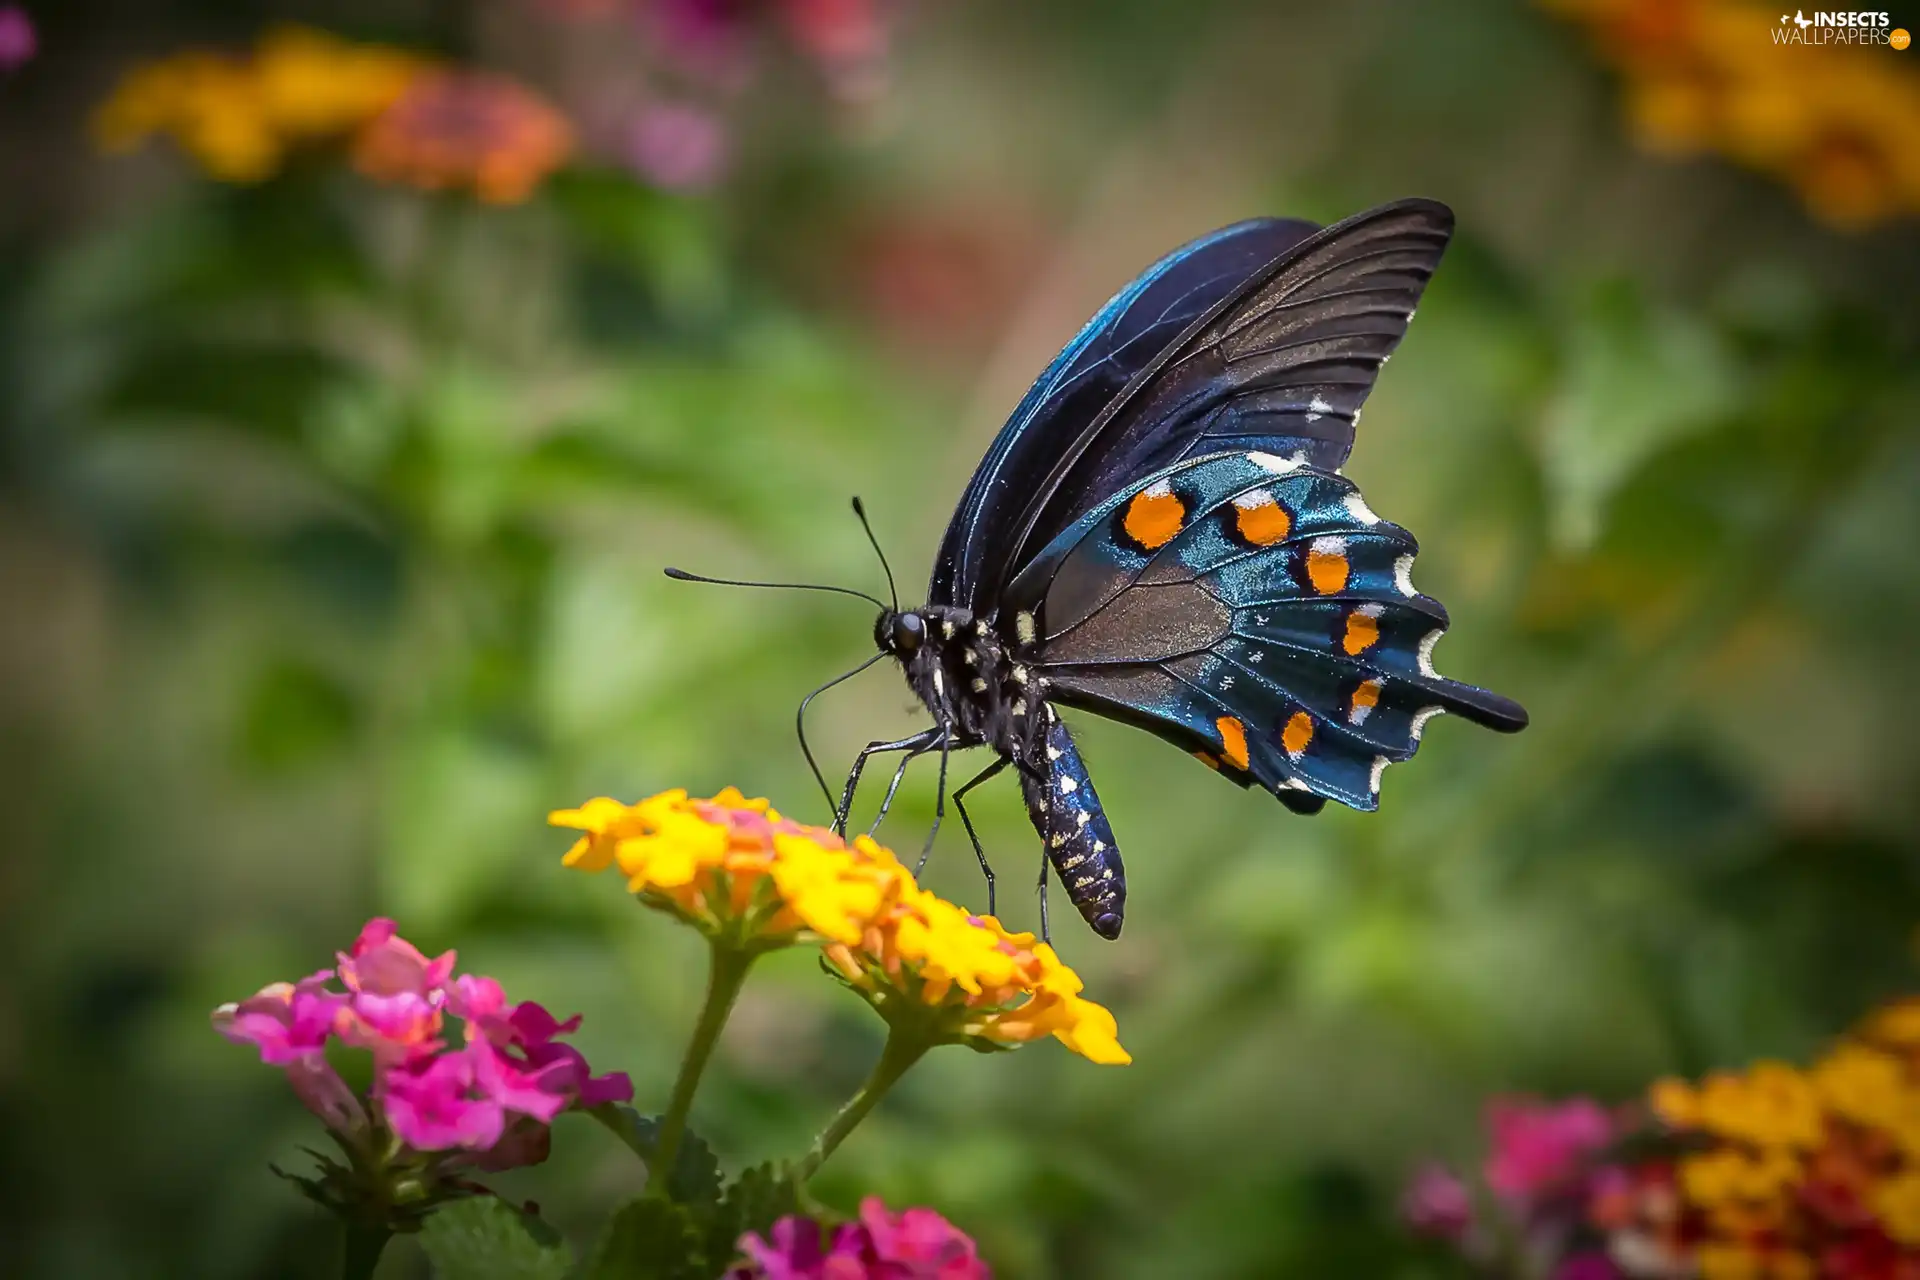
(1160, 534)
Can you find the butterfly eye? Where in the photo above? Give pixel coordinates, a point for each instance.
(909, 629)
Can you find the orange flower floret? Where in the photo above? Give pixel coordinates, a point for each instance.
(928, 960)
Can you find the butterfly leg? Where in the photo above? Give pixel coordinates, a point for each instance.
(898, 774)
(1046, 934)
(921, 741)
(960, 803)
(939, 803)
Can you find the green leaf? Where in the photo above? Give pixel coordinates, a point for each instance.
(695, 1179)
(754, 1201)
(650, 1239)
(1637, 380)
(486, 1238)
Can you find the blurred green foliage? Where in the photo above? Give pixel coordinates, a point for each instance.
(332, 525)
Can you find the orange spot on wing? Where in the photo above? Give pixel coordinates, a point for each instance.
(1363, 632)
(1327, 565)
(1154, 516)
(1261, 520)
(1297, 734)
(1233, 741)
(1367, 696)
(1207, 760)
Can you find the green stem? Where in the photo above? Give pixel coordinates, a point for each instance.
(362, 1243)
(727, 970)
(901, 1052)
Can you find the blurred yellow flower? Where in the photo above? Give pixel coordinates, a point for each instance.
(966, 979)
(1835, 122)
(239, 118)
(1897, 1202)
(409, 121)
(734, 868)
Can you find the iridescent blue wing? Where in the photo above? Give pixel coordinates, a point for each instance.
(1135, 326)
(1252, 609)
(1279, 363)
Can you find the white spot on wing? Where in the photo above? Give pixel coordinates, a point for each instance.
(1082, 818)
(1359, 714)
(1067, 785)
(1019, 708)
(1421, 717)
(1294, 784)
(1253, 500)
(1426, 652)
(1057, 839)
(1380, 764)
(1403, 576)
(1357, 507)
(1053, 753)
(1099, 846)
(939, 685)
(1023, 626)
(1371, 610)
(979, 685)
(1277, 465)
(1318, 408)
(1162, 488)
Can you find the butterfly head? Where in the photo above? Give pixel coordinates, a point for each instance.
(900, 632)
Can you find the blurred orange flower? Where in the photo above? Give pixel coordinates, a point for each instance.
(1836, 122)
(468, 130)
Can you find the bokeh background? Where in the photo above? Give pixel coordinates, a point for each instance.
(332, 514)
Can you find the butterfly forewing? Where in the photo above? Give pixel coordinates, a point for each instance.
(1280, 365)
(979, 553)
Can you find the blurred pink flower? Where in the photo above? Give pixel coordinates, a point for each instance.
(18, 43)
(1539, 1147)
(1437, 1204)
(678, 147)
(918, 1244)
(1587, 1266)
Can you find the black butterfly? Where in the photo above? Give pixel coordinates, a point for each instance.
(1160, 534)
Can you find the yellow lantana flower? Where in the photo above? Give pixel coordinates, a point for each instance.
(963, 979)
(735, 869)
(240, 117)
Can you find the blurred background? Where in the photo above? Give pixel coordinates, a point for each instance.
(357, 379)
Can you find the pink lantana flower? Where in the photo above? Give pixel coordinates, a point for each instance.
(918, 1244)
(1437, 1204)
(487, 1101)
(1540, 1148)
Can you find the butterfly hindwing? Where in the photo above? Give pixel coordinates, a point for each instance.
(1254, 610)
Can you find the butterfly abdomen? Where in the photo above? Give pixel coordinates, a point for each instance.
(1067, 814)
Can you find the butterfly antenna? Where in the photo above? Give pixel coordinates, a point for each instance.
(800, 725)
(683, 576)
(859, 509)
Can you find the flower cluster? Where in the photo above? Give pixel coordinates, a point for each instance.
(1775, 1172)
(466, 131)
(490, 1097)
(1836, 123)
(916, 1245)
(747, 877)
(926, 961)
(407, 120)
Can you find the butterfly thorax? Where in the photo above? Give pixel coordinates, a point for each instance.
(973, 679)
